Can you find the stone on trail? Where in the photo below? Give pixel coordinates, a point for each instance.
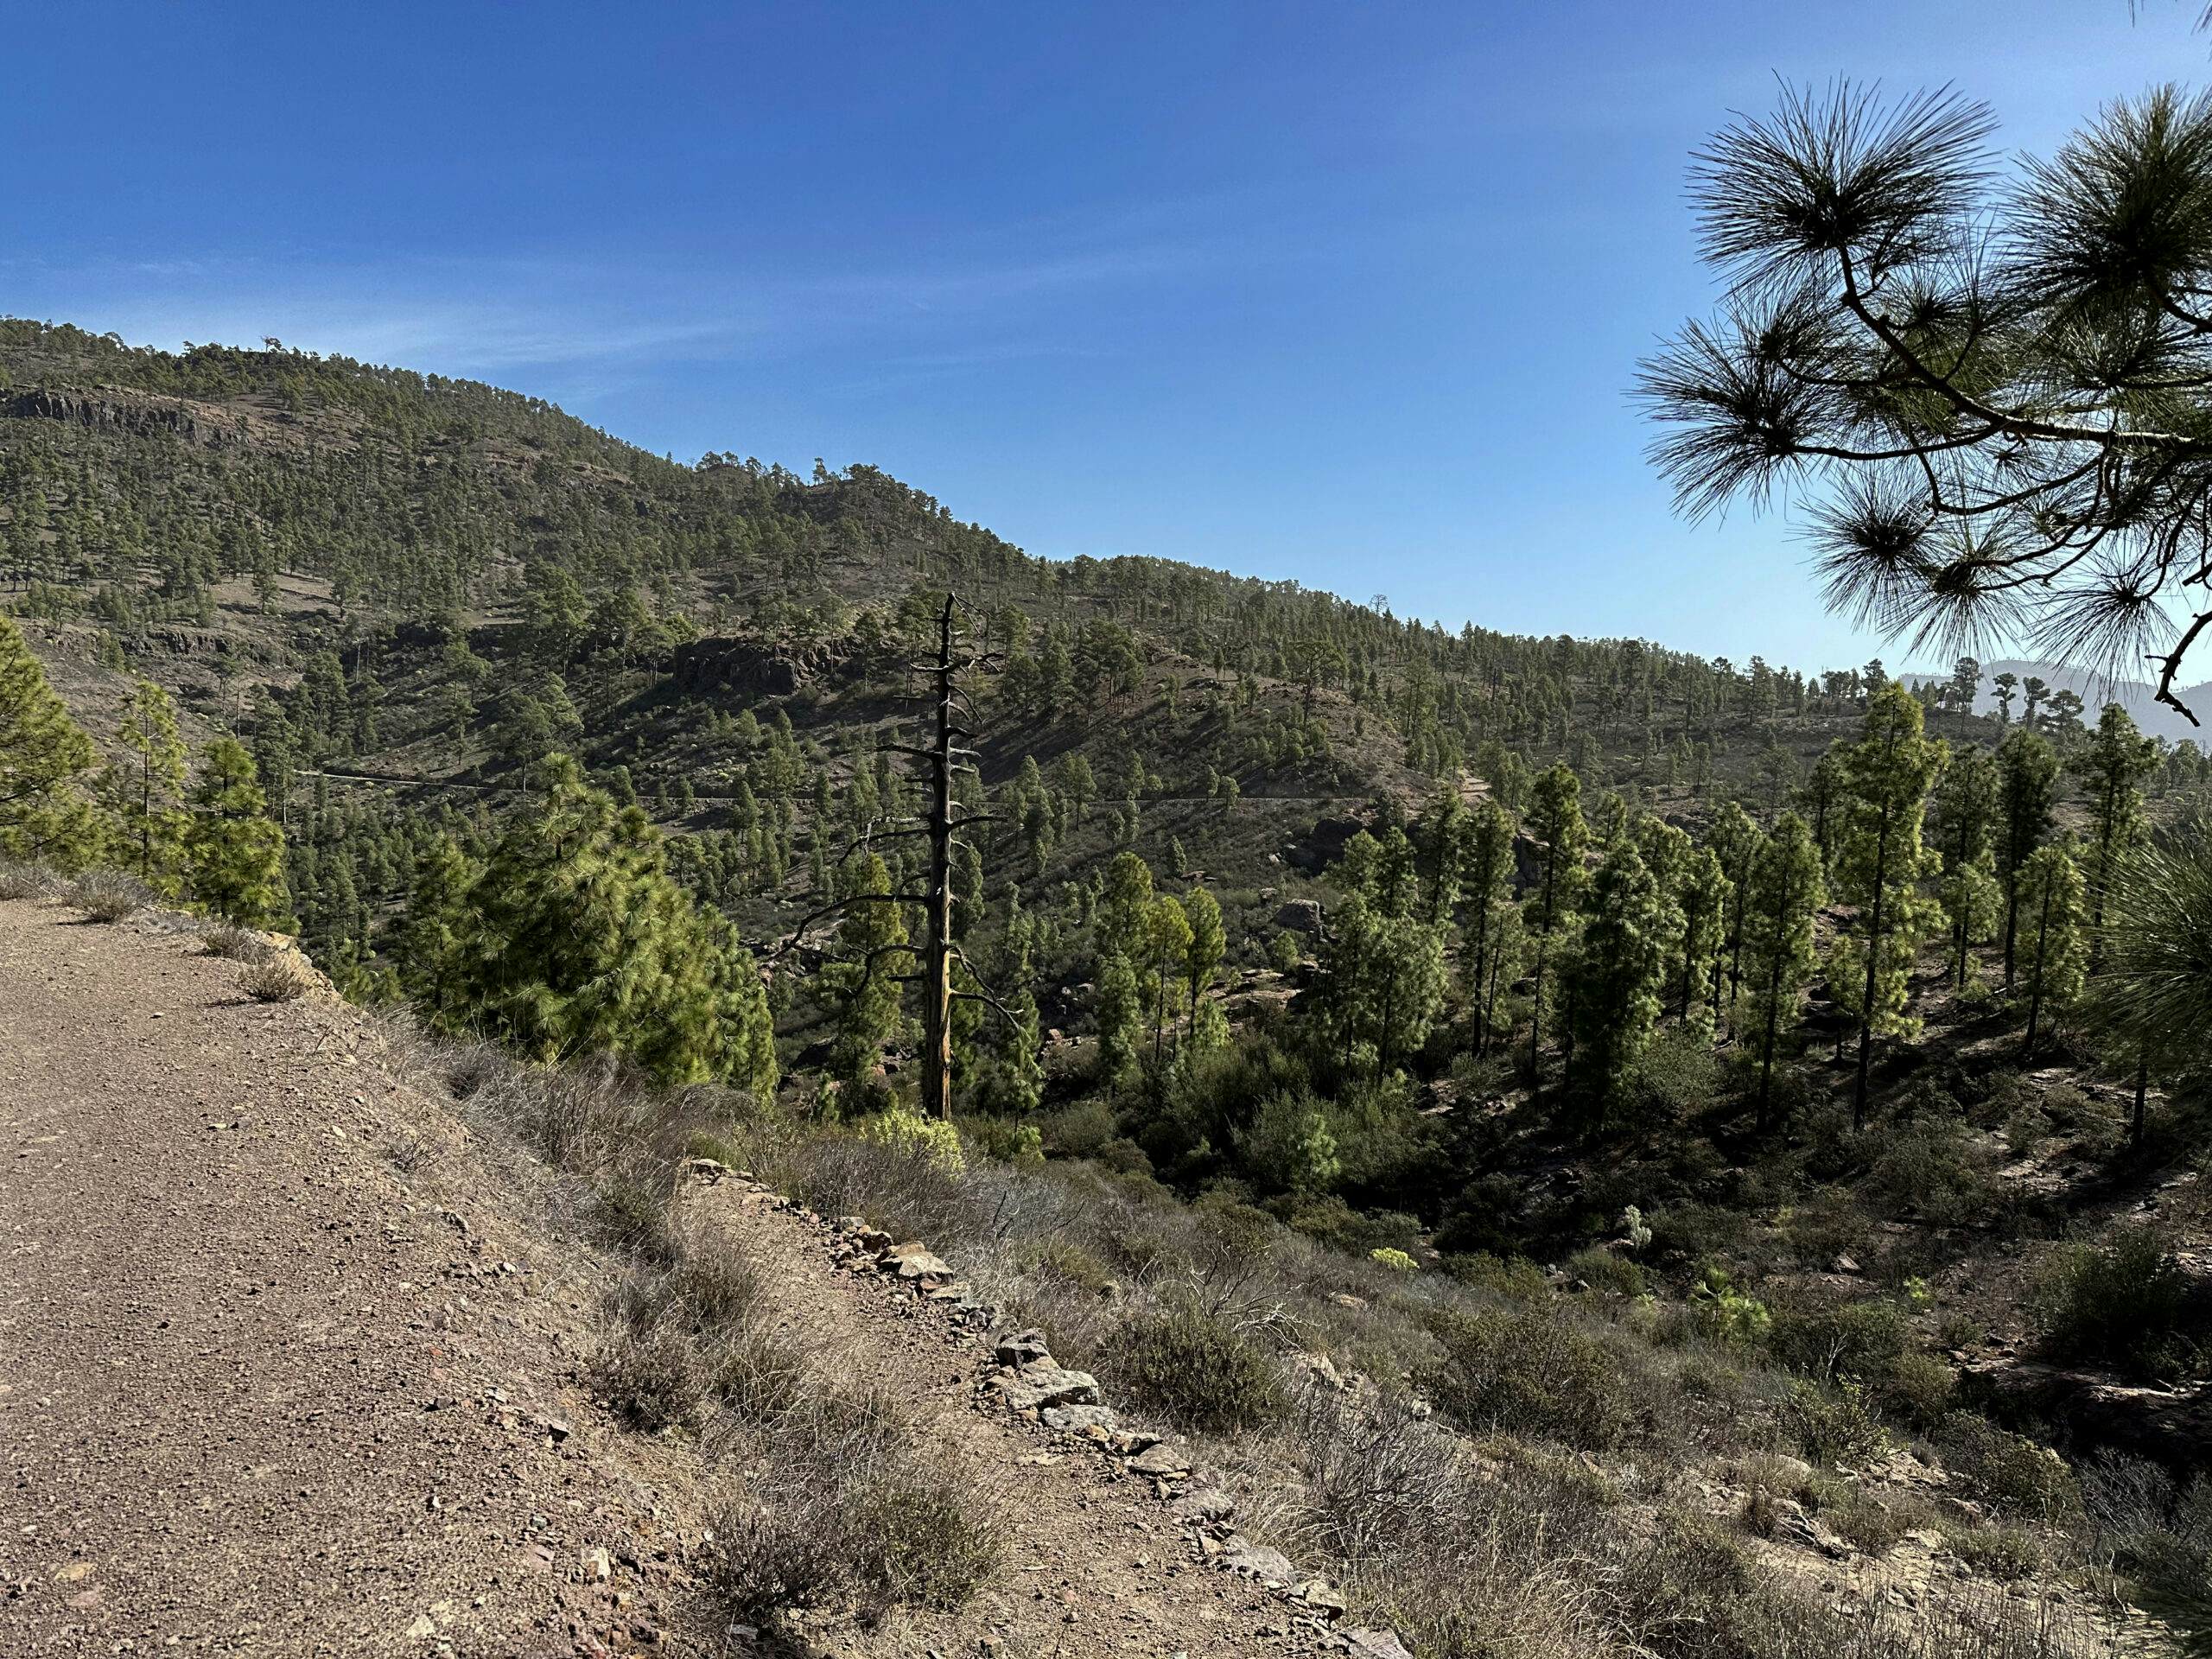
(1076, 1419)
(913, 1260)
(1019, 1347)
(1203, 1503)
(1044, 1383)
(1375, 1644)
(1161, 1459)
(1261, 1561)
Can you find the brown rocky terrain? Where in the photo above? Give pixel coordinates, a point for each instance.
(292, 1362)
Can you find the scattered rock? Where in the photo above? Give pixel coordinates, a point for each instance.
(1019, 1348)
(913, 1260)
(706, 1171)
(1043, 1383)
(1076, 1419)
(1261, 1561)
(597, 1566)
(1161, 1459)
(1375, 1644)
(1319, 1593)
(1204, 1503)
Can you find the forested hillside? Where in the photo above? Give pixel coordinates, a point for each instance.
(1790, 1017)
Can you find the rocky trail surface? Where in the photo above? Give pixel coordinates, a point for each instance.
(289, 1364)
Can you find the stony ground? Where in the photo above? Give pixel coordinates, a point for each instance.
(287, 1365)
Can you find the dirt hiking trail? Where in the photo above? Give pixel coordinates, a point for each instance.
(289, 1365)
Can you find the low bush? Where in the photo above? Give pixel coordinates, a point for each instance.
(1919, 1389)
(1529, 1371)
(650, 1370)
(903, 1129)
(2010, 1471)
(1834, 1424)
(1607, 1271)
(2121, 1303)
(24, 881)
(1831, 1339)
(1515, 1277)
(1197, 1369)
(109, 895)
(2156, 1533)
(272, 979)
(854, 1514)
(235, 943)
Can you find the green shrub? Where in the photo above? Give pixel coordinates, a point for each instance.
(1607, 1271)
(1835, 1425)
(1513, 1276)
(1831, 1339)
(2010, 1471)
(1919, 1389)
(930, 1139)
(2120, 1303)
(1677, 1075)
(1200, 1372)
(1067, 1262)
(1719, 1313)
(1528, 1371)
(2004, 1553)
(1396, 1261)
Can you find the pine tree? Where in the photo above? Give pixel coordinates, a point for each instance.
(1486, 868)
(145, 797)
(872, 944)
(43, 812)
(1554, 821)
(1444, 834)
(1123, 905)
(2027, 773)
(2112, 766)
(1963, 820)
(2058, 958)
(1616, 976)
(1020, 1043)
(235, 853)
(1209, 943)
(1734, 839)
(1879, 867)
(1121, 1019)
(1167, 946)
(430, 943)
(1786, 894)
(1705, 897)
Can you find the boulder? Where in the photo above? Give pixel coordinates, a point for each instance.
(1261, 1561)
(1161, 1459)
(1074, 1419)
(1043, 1383)
(912, 1260)
(1299, 916)
(1019, 1348)
(1375, 1644)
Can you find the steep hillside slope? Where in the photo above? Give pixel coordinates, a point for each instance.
(295, 1361)
(377, 574)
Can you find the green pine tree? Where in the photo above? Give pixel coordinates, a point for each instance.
(44, 814)
(234, 851)
(1616, 977)
(1879, 867)
(2057, 953)
(144, 795)
(1786, 894)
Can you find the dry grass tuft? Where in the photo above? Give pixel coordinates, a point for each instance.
(272, 980)
(109, 895)
(236, 943)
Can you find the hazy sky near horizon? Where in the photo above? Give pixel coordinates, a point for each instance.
(1348, 294)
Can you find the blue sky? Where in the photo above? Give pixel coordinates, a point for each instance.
(1346, 293)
